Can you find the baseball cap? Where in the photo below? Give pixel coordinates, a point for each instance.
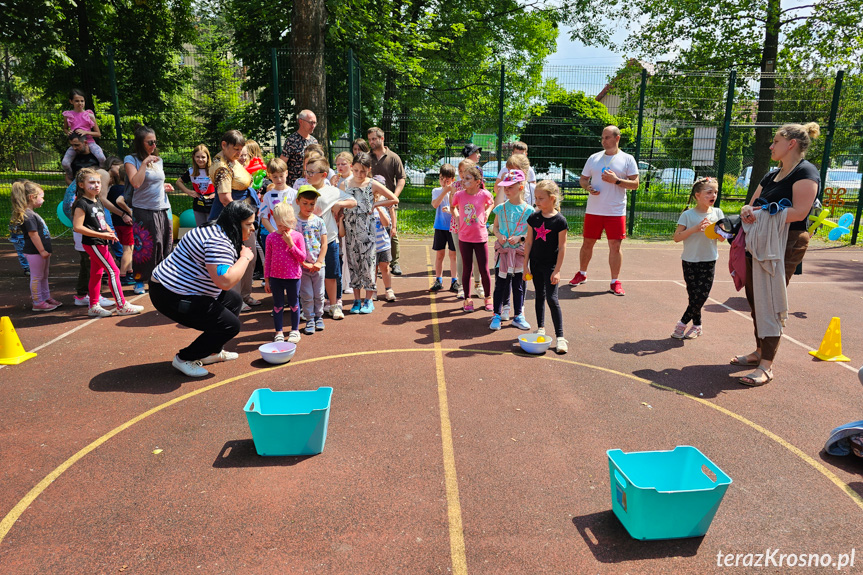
(512, 177)
(470, 149)
(308, 188)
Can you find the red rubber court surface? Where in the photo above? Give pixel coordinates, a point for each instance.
(446, 451)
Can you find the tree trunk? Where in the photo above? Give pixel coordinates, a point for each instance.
(83, 60)
(308, 27)
(766, 98)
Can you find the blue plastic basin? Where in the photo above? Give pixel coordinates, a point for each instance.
(289, 422)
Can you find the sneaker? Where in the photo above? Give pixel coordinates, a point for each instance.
(391, 296)
(694, 332)
(54, 302)
(617, 288)
(82, 300)
(280, 337)
(367, 306)
(562, 346)
(520, 322)
(245, 307)
(130, 309)
(328, 309)
(190, 368)
(357, 306)
(44, 306)
(337, 312)
(579, 279)
(480, 293)
(679, 329)
(99, 311)
(395, 270)
(105, 302)
(495, 323)
(219, 357)
(454, 286)
(540, 331)
(319, 324)
(372, 304)
(504, 313)
(310, 327)
(294, 337)
(128, 280)
(460, 294)
(436, 286)
(139, 289)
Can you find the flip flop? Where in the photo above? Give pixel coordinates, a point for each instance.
(741, 360)
(753, 382)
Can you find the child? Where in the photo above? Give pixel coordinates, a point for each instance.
(451, 190)
(344, 161)
(82, 122)
(699, 253)
(442, 236)
(16, 237)
(471, 207)
(517, 161)
(123, 223)
(278, 192)
(314, 231)
(27, 197)
(382, 251)
(202, 190)
(343, 169)
(510, 229)
(544, 251)
(286, 251)
(88, 219)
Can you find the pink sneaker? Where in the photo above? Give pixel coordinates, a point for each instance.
(44, 306)
(617, 288)
(579, 279)
(54, 302)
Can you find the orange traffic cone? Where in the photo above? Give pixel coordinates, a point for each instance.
(831, 345)
(11, 350)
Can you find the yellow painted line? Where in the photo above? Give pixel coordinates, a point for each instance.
(453, 503)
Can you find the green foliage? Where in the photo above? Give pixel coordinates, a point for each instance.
(17, 132)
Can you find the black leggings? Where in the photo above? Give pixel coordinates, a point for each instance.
(699, 280)
(502, 287)
(467, 250)
(286, 294)
(546, 292)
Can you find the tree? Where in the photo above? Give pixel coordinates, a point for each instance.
(726, 34)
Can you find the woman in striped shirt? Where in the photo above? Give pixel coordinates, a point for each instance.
(192, 286)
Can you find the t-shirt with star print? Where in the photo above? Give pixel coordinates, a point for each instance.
(546, 238)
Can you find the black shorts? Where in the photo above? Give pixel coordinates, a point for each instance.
(442, 240)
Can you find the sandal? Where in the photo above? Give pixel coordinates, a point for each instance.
(744, 360)
(488, 305)
(468, 305)
(753, 379)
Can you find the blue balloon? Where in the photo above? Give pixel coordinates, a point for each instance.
(837, 233)
(845, 221)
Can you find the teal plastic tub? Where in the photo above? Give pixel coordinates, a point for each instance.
(665, 494)
(289, 422)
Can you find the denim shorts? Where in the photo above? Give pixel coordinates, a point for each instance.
(332, 261)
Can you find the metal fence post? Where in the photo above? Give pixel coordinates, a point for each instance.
(277, 114)
(500, 120)
(726, 133)
(831, 127)
(634, 196)
(351, 87)
(115, 101)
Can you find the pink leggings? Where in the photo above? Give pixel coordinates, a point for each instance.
(101, 260)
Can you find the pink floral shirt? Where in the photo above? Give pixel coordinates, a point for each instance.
(281, 261)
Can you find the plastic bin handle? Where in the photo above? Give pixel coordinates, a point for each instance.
(620, 479)
(710, 465)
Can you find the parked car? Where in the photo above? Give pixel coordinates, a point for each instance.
(415, 177)
(677, 176)
(743, 179)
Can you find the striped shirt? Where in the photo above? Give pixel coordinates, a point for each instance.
(184, 271)
(382, 238)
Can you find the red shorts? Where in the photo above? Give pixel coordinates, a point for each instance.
(125, 235)
(614, 226)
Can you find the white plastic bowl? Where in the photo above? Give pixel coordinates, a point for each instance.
(278, 352)
(529, 344)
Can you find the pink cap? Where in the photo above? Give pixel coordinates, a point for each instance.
(512, 177)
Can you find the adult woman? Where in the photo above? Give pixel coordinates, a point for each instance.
(360, 145)
(193, 286)
(233, 182)
(360, 230)
(153, 228)
(796, 181)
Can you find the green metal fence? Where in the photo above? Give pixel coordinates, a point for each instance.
(679, 125)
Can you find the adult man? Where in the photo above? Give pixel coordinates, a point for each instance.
(606, 176)
(296, 143)
(387, 163)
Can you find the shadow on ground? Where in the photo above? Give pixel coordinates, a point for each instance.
(154, 378)
(241, 453)
(647, 346)
(609, 541)
(699, 380)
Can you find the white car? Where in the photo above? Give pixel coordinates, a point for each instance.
(415, 177)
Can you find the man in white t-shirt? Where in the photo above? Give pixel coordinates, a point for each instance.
(606, 176)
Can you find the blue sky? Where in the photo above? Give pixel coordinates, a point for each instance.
(571, 53)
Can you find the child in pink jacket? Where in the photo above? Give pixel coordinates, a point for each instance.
(286, 250)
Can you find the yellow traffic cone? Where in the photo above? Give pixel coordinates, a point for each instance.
(11, 350)
(831, 345)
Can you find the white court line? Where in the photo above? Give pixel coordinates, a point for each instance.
(74, 329)
(786, 336)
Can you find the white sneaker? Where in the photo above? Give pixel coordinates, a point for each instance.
(129, 309)
(562, 346)
(190, 368)
(105, 302)
(221, 356)
(391, 296)
(82, 300)
(479, 291)
(337, 312)
(99, 311)
(294, 336)
(504, 313)
(540, 331)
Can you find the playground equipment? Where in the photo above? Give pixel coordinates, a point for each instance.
(840, 228)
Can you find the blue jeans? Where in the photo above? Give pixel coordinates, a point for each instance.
(18, 241)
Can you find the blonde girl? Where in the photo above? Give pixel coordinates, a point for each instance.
(196, 183)
(27, 197)
(343, 169)
(544, 250)
(284, 256)
(699, 253)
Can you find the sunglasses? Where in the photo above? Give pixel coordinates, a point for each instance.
(310, 173)
(151, 142)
